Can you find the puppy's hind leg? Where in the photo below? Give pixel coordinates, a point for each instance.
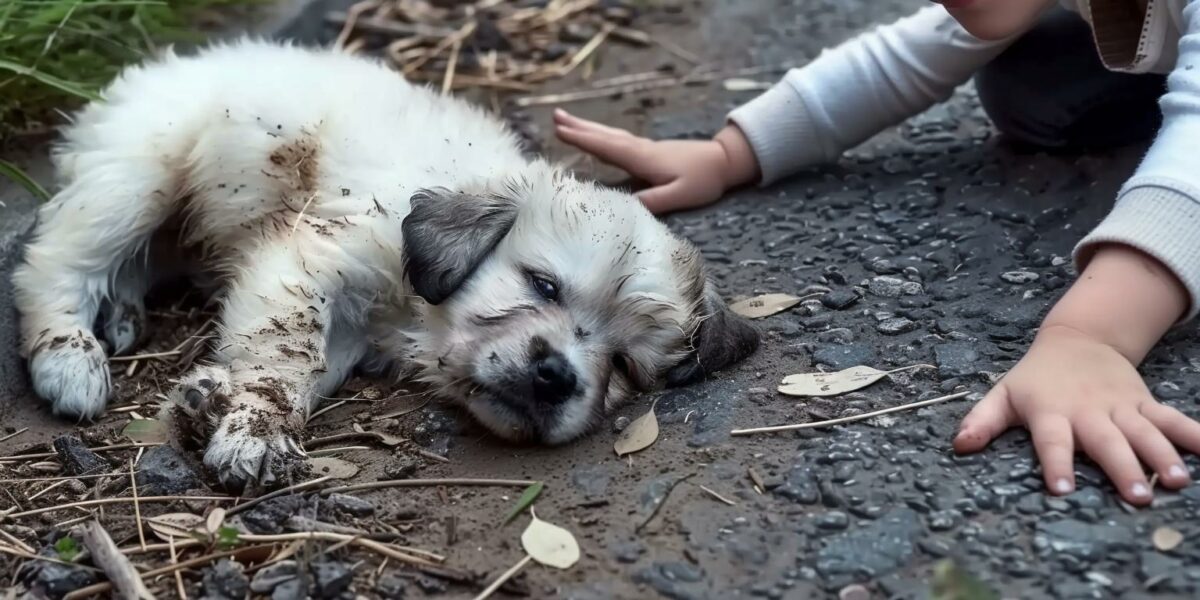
(93, 226)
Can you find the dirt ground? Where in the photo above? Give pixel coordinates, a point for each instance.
(939, 201)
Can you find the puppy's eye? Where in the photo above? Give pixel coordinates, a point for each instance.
(544, 287)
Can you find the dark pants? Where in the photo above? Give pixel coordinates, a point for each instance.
(1050, 90)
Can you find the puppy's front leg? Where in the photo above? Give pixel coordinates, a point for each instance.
(278, 352)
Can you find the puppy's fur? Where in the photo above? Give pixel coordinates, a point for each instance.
(351, 220)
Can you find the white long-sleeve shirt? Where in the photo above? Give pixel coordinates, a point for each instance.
(880, 78)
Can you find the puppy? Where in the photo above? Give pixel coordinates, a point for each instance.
(351, 220)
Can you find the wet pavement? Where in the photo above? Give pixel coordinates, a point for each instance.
(933, 243)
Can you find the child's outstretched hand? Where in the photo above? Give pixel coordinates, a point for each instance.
(683, 174)
(1078, 387)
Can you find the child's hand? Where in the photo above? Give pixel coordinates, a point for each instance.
(1078, 387)
(1071, 389)
(683, 174)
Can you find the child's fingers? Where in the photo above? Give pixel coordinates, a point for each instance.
(667, 198)
(1106, 444)
(1178, 427)
(987, 420)
(563, 117)
(1055, 445)
(1152, 447)
(616, 150)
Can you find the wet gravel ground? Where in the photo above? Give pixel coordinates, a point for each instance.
(934, 243)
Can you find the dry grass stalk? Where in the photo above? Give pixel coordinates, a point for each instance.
(178, 576)
(306, 485)
(106, 555)
(375, 485)
(14, 434)
(137, 507)
(719, 497)
(108, 501)
(861, 417)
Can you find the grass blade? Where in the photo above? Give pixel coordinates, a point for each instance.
(527, 497)
(61, 85)
(14, 173)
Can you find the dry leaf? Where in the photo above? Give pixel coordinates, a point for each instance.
(333, 467)
(549, 544)
(638, 435)
(832, 384)
(765, 305)
(1166, 539)
(382, 438)
(146, 431)
(212, 524)
(175, 525)
(745, 85)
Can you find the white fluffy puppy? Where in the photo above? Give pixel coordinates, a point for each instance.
(351, 220)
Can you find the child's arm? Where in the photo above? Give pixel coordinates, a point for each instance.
(1078, 384)
(1140, 273)
(837, 101)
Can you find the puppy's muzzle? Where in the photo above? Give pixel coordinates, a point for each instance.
(554, 380)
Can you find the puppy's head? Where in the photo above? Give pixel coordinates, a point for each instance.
(550, 301)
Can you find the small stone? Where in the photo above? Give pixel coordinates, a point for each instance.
(391, 587)
(955, 359)
(895, 326)
(844, 357)
(833, 521)
(886, 287)
(331, 578)
(401, 467)
(164, 472)
(619, 424)
(226, 580)
(77, 459)
(270, 516)
(854, 592)
(431, 585)
(839, 299)
(266, 580)
(54, 579)
(1019, 277)
(342, 504)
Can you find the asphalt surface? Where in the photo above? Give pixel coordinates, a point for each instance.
(917, 235)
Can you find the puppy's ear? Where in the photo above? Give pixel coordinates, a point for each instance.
(721, 339)
(447, 234)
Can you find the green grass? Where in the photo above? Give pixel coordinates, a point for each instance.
(56, 54)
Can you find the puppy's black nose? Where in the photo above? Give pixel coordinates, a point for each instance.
(553, 378)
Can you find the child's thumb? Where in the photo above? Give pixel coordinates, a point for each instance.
(988, 419)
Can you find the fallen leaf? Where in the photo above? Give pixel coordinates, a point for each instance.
(951, 582)
(175, 525)
(745, 85)
(1166, 539)
(381, 437)
(549, 544)
(215, 519)
(638, 435)
(765, 305)
(146, 431)
(832, 384)
(527, 497)
(333, 467)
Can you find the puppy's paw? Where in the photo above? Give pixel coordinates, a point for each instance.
(124, 324)
(197, 405)
(252, 450)
(71, 371)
